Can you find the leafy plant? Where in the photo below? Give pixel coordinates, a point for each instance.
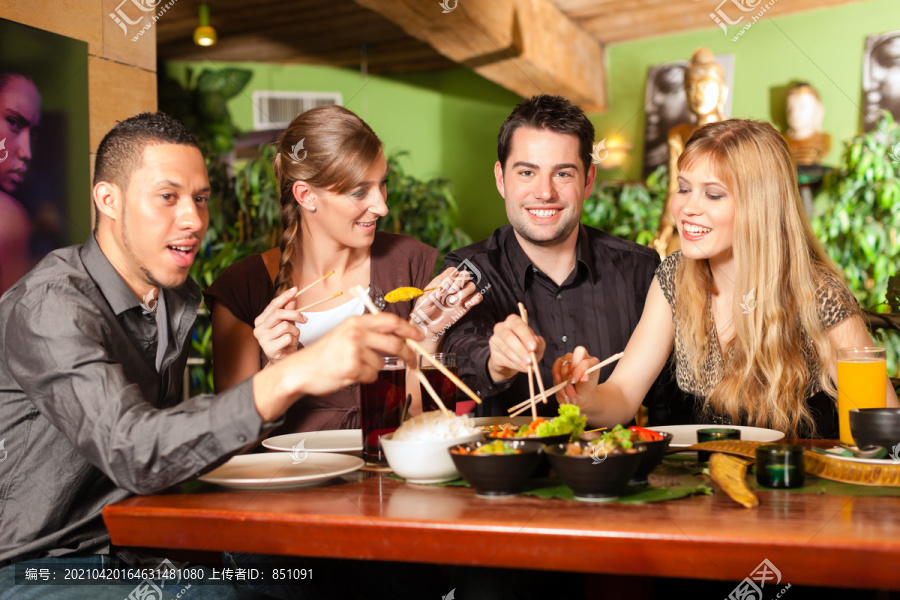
(423, 209)
(857, 220)
(630, 211)
(201, 105)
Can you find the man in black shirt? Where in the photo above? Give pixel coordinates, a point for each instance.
(580, 286)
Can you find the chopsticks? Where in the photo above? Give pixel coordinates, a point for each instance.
(434, 395)
(360, 293)
(323, 301)
(533, 370)
(523, 406)
(320, 279)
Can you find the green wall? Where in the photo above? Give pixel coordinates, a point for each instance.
(823, 47)
(449, 120)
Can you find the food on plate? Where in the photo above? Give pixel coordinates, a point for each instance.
(434, 425)
(569, 422)
(492, 449)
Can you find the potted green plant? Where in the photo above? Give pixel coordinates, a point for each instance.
(630, 210)
(856, 218)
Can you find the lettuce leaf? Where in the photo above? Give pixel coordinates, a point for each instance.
(569, 421)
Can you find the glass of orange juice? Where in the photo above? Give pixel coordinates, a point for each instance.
(862, 383)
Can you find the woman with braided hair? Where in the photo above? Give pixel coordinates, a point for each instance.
(332, 176)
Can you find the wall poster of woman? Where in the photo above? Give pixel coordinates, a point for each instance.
(44, 146)
(881, 77)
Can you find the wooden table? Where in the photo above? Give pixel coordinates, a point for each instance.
(842, 541)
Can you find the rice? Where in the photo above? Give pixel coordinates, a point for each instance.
(434, 425)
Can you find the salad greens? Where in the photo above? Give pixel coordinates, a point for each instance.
(618, 436)
(569, 421)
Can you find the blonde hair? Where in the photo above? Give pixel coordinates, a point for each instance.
(328, 147)
(778, 258)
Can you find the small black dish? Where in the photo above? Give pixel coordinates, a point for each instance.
(595, 477)
(656, 451)
(543, 469)
(876, 427)
(497, 474)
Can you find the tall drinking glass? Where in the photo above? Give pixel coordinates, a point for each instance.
(862, 383)
(442, 384)
(382, 402)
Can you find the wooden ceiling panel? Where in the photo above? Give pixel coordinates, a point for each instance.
(325, 32)
(523, 45)
(614, 21)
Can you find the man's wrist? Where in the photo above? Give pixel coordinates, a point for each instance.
(274, 390)
(500, 375)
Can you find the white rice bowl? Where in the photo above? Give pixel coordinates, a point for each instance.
(419, 450)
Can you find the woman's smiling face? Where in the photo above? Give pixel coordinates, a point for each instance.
(703, 210)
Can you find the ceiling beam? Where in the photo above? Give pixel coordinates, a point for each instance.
(526, 46)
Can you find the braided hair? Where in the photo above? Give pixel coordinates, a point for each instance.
(328, 147)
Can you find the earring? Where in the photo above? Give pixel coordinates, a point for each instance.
(312, 207)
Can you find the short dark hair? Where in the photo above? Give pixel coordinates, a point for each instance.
(548, 112)
(121, 149)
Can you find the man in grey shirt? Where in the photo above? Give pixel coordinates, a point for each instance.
(93, 346)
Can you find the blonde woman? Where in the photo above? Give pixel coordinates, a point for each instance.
(754, 307)
(332, 174)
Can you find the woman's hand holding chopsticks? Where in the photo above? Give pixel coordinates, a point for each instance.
(275, 328)
(573, 368)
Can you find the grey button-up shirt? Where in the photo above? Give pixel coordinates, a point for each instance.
(85, 417)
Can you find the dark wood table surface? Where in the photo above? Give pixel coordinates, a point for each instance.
(826, 540)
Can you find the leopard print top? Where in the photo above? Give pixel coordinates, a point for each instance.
(835, 303)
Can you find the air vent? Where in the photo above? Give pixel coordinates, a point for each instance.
(276, 110)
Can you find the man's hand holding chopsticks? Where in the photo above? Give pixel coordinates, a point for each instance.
(511, 347)
(452, 295)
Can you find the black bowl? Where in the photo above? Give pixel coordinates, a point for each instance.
(656, 451)
(876, 427)
(595, 477)
(497, 474)
(543, 469)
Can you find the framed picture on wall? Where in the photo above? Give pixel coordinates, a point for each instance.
(665, 105)
(44, 146)
(881, 77)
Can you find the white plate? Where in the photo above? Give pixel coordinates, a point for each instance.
(277, 471)
(487, 421)
(884, 462)
(686, 435)
(336, 440)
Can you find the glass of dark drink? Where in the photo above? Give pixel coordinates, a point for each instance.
(382, 403)
(442, 384)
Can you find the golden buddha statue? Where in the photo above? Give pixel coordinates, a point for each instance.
(805, 112)
(707, 91)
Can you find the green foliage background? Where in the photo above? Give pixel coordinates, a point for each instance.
(857, 219)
